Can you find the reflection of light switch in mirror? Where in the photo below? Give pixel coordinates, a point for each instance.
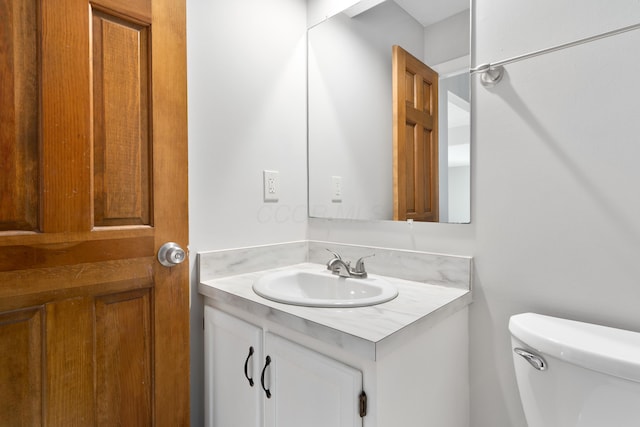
(336, 189)
(271, 183)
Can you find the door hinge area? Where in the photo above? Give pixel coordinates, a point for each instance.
(363, 404)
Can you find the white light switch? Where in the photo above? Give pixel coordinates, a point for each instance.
(336, 188)
(271, 182)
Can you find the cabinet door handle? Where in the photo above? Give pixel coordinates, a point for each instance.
(267, 362)
(246, 363)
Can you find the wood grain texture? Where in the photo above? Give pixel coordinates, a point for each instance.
(101, 298)
(409, 147)
(69, 360)
(66, 143)
(121, 121)
(18, 115)
(415, 139)
(21, 349)
(171, 311)
(38, 286)
(49, 255)
(123, 359)
(139, 10)
(98, 233)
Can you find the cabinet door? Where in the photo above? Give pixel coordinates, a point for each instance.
(309, 389)
(230, 398)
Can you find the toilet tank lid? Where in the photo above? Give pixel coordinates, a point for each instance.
(600, 348)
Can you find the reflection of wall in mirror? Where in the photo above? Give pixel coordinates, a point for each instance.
(445, 41)
(454, 149)
(350, 110)
(448, 39)
(349, 84)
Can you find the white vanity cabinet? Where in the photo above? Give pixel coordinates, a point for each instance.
(410, 355)
(257, 378)
(233, 355)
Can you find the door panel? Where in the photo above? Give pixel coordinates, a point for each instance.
(69, 395)
(18, 115)
(121, 121)
(22, 370)
(123, 358)
(93, 149)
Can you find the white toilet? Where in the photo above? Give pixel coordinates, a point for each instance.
(574, 374)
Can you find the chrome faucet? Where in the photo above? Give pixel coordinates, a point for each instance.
(343, 268)
(339, 267)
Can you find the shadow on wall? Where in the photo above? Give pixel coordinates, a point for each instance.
(588, 179)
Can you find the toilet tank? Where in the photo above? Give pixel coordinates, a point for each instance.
(591, 373)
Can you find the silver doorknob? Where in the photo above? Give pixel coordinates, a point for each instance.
(171, 254)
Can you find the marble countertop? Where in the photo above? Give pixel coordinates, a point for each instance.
(366, 331)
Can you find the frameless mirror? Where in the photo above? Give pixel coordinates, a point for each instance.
(354, 160)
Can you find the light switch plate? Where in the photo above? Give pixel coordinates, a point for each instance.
(336, 189)
(271, 183)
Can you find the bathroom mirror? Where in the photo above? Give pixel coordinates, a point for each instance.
(350, 134)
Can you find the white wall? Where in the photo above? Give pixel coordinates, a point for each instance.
(555, 225)
(447, 39)
(555, 221)
(558, 227)
(454, 191)
(459, 194)
(247, 113)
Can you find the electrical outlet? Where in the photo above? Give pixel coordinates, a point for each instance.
(271, 183)
(336, 189)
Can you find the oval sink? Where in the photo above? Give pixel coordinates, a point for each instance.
(323, 289)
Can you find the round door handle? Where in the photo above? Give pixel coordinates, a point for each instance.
(171, 254)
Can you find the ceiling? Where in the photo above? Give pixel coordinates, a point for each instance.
(428, 12)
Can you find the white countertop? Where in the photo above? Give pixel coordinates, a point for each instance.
(362, 330)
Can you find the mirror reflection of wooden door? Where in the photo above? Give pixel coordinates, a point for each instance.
(93, 180)
(415, 138)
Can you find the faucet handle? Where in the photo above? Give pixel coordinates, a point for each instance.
(336, 256)
(359, 268)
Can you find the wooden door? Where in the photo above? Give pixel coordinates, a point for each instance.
(415, 138)
(93, 180)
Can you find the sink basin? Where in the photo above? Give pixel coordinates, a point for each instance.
(323, 289)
